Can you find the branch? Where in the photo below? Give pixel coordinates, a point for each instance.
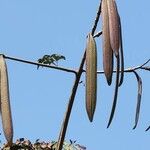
(40, 64)
(129, 70)
(96, 19)
(142, 66)
(97, 34)
(70, 104)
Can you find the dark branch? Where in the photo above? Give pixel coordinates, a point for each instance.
(141, 66)
(97, 34)
(128, 70)
(96, 19)
(70, 104)
(40, 64)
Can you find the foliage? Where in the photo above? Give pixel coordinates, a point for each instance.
(51, 59)
(24, 144)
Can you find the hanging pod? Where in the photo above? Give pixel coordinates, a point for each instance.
(111, 43)
(107, 50)
(91, 76)
(114, 26)
(5, 102)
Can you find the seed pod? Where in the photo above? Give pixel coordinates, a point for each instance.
(5, 102)
(107, 50)
(91, 76)
(113, 26)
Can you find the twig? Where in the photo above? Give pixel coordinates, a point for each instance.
(97, 34)
(128, 70)
(145, 63)
(147, 68)
(141, 66)
(96, 19)
(40, 64)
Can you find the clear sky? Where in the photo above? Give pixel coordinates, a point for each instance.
(31, 28)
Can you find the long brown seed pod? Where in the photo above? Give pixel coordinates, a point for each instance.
(107, 50)
(113, 26)
(91, 76)
(5, 102)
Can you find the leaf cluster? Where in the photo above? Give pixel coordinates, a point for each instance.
(25, 144)
(51, 59)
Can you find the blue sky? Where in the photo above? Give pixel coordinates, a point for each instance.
(31, 28)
